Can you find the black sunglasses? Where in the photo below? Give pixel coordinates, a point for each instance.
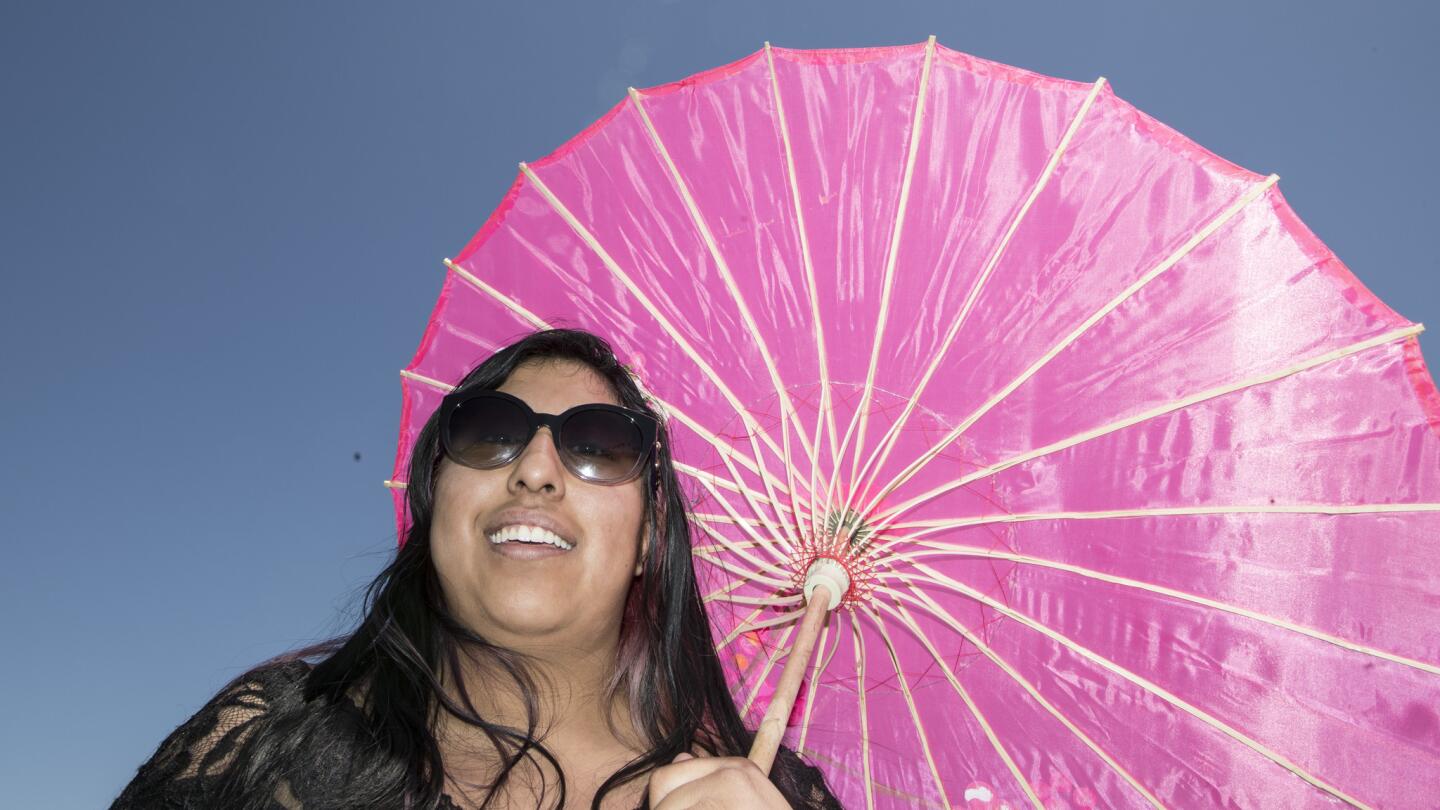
(599, 443)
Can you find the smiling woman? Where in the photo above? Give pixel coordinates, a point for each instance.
(538, 640)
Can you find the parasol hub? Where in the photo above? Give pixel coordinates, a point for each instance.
(848, 527)
(831, 573)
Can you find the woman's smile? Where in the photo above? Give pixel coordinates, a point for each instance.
(527, 542)
(530, 527)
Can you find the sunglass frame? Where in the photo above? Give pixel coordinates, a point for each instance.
(648, 426)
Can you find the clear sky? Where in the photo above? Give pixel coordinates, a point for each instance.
(196, 426)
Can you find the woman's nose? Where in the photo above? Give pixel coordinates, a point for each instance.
(539, 468)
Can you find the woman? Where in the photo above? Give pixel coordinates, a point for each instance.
(538, 640)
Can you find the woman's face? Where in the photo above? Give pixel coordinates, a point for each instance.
(521, 595)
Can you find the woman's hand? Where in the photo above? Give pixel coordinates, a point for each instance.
(712, 783)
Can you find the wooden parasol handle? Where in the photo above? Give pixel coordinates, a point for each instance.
(772, 728)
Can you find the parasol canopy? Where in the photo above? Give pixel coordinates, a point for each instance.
(1136, 487)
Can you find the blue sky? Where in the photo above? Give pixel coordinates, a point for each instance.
(185, 394)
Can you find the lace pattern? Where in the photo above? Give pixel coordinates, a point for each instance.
(201, 764)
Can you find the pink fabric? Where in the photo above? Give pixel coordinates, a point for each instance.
(1259, 296)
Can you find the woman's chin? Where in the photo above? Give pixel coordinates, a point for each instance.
(534, 612)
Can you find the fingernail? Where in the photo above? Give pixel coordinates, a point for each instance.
(682, 756)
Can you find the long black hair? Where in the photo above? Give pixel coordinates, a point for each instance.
(666, 660)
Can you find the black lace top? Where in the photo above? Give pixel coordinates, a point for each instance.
(193, 767)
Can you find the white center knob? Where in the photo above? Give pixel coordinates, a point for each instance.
(833, 575)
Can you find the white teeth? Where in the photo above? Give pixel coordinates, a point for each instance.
(529, 534)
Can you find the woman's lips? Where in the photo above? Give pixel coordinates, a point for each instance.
(527, 551)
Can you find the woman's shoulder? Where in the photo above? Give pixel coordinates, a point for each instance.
(259, 694)
(210, 754)
(276, 682)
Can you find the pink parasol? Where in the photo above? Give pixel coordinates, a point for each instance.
(1134, 487)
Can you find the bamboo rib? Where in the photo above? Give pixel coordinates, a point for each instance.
(753, 428)
(724, 269)
(761, 604)
(786, 539)
(750, 499)
(949, 620)
(882, 542)
(985, 727)
(429, 381)
(720, 593)
(931, 576)
(723, 448)
(746, 627)
(827, 411)
(769, 546)
(778, 621)
(755, 575)
(765, 673)
(943, 524)
(714, 518)
(1170, 261)
(725, 594)
(747, 576)
(877, 459)
(888, 278)
(711, 482)
(795, 534)
(910, 704)
(711, 549)
(762, 571)
(775, 534)
(1389, 337)
(864, 716)
(858, 420)
(817, 669)
(761, 574)
(834, 766)
(716, 548)
(784, 601)
(947, 549)
(725, 483)
(506, 301)
(787, 408)
(743, 626)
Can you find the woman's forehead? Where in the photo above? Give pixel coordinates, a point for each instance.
(551, 385)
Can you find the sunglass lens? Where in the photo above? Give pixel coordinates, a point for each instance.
(603, 445)
(487, 432)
